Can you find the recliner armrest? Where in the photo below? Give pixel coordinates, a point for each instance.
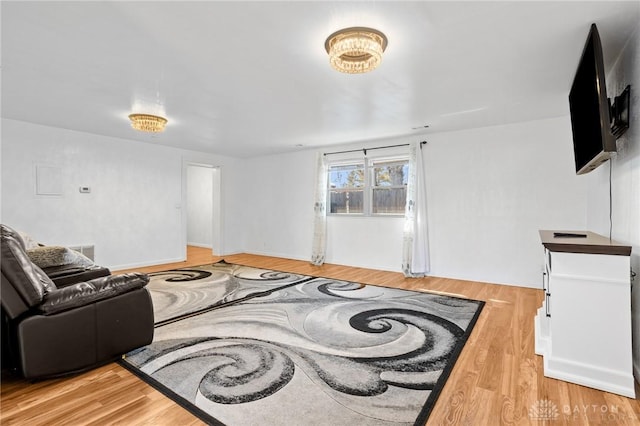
(84, 293)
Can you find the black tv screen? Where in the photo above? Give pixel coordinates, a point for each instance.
(593, 141)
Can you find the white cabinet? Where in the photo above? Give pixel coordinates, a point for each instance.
(583, 329)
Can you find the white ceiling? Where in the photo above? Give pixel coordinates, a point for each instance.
(252, 78)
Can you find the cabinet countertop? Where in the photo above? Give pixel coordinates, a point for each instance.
(591, 244)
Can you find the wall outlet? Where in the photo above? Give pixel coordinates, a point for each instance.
(85, 189)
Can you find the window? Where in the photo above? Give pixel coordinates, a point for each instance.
(368, 187)
(346, 188)
(389, 186)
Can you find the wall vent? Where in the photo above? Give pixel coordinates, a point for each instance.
(88, 250)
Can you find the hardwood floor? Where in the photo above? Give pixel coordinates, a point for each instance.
(496, 381)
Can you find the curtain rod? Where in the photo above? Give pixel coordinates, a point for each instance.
(364, 150)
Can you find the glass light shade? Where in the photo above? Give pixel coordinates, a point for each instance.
(355, 50)
(148, 123)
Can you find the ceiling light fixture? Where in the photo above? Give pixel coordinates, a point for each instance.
(148, 123)
(355, 50)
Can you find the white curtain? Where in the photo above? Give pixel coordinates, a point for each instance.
(319, 247)
(415, 250)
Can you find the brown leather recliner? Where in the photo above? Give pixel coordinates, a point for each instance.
(49, 331)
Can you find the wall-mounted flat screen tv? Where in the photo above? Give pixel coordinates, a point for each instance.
(593, 141)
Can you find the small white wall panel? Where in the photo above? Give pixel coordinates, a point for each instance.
(48, 180)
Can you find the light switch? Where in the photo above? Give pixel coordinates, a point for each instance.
(85, 189)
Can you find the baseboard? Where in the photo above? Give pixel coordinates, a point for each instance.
(208, 246)
(383, 268)
(145, 264)
(280, 255)
(368, 266)
(541, 333)
(591, 376)
(328, 261)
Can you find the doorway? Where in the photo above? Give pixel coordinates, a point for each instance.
(203, 207)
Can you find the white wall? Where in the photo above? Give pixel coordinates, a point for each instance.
(625, 177)
(133, 214)
(371, 242)
(200, 205)
(279, 217)
(279, 204)
(625, 165)
(489, 191)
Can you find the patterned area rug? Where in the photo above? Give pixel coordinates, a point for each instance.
(180, 292)
(271, 348)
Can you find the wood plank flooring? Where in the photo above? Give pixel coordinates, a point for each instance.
(496, 381)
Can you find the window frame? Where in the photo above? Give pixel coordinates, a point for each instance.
(352, 188)
(369, 164)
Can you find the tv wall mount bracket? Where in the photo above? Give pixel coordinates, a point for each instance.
(619, 112)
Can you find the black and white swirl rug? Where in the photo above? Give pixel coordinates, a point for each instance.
(262, 347)
(181, 292)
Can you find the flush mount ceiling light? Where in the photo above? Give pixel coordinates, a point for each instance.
(147, 122)
(355, 50)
